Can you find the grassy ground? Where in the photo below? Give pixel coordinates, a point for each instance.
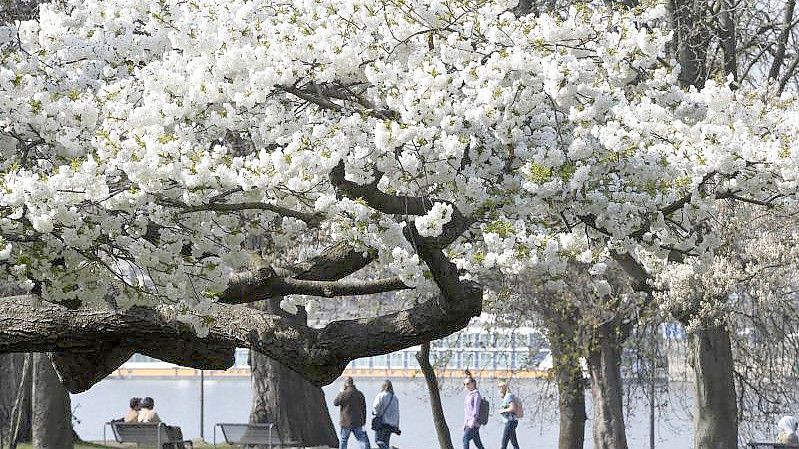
(100, 446)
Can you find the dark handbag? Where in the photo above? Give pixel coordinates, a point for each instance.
(377, 422)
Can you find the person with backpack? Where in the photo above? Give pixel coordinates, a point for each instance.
(511, 410)
(472, 413)
(385, 409)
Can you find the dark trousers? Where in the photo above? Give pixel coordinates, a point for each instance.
(509, 434)
(382, 436)
(472, 433)
(175, 434)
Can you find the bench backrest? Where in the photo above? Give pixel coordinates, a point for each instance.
(250, 433)
(139, 433)
(755, 445)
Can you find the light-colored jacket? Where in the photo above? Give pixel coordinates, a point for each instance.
(388, 402)
(507, 400)
(147, 415)
(132, 416)
(788, 426)
(787, 438)
(471, 409)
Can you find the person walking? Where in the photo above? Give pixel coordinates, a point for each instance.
(386, 408)
(353, 414)
(787, 427)
(510, 416)
(471, 411)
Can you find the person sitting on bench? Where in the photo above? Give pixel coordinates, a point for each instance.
(148, 415)
(787, 426)
(133, 413)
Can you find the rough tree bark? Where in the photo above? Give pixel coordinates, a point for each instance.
(571, 387)
(439, 420)
(21, 412)
(11, 375)
(90, 343)
(281, 396)
(52, 411)
(691, 40)
(13, 10)
(566, 327)
(320, 355)
(604, 361)
(782, 41)
(715, 409)
(727, 32)
(715, 415)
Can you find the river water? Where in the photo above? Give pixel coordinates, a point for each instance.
(228, 400)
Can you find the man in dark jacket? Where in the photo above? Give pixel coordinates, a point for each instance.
(353, 414)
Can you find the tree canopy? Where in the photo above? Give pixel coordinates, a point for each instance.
(370, 146)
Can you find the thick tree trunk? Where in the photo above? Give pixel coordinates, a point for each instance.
(691, 40)
(296, 406)
(11, 374)
(52, 412)
(727, 33)
(782, 42)
(715, 415)
(21, 412)
(604, 360)
(571, 391)
(439, 420)
(282, 397)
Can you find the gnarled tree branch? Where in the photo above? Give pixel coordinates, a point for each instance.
(266, 283)
(320, 355)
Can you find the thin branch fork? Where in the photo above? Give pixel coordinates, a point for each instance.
(400, 204)
(457, 296)
(309, 218)
(321, 96)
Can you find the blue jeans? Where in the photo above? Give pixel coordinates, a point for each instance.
(359, 433)
(472, 433)
(509, 434)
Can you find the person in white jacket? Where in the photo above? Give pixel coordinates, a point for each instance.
(788, 426)
(386, 408)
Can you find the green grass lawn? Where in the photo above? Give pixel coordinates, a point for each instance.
(100, 446)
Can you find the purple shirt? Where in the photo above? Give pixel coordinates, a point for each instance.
(471, 408)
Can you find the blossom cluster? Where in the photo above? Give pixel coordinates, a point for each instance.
(142, 142)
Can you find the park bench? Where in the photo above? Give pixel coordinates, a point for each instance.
(755, 445)
(147, 433)
(246, 434)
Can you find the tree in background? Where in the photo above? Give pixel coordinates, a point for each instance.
(436, 144)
